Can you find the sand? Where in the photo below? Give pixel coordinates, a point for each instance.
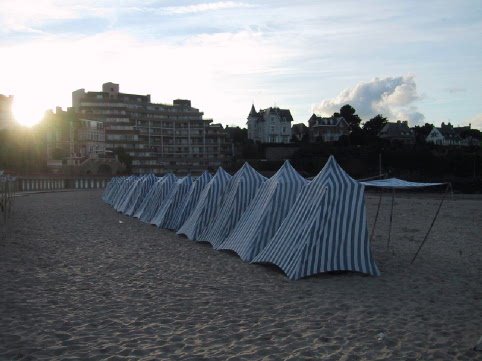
(78, 284)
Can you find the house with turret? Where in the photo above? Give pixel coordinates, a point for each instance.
(271, 125)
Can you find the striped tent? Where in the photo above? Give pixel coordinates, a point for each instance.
(177, 193)
(206, 206)
(125, 201)
(111, 188)
(265, 213)
(155, 197)
(236, 198)
(186, 205)
(122, 191)
(108, 189)
(325, 230)
(143, 187)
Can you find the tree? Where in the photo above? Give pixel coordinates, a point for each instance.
(421, 132)
(348, 112)
(237, 134)
(375, 125)
(474, 133)
(124, 158)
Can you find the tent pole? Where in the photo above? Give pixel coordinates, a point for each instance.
(376, 216)
(391, 218)
(449, 186)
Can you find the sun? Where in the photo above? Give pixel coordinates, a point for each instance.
(27, 111)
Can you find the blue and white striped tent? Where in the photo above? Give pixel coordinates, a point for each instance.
(124, 202)
(265, 213)
(325, 230)
(122, 191)
(236, 198)
(206, 206)
(143, 187)
(156, 196)
(116, 189)
(111, 188)
(177, 193)
(109, 198)
(147, 199)
(186, 205)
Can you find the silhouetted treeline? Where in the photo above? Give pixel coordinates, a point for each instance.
(420, 162)
(22, 152)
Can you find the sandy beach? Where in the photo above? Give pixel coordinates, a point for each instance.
(80, 281)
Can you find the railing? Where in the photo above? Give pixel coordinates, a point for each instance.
(7, 196)
(30, 184)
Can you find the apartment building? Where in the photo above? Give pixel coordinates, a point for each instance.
(272, 125)
(89, 138)
(159, 137)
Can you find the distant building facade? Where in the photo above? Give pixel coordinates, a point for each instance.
(76, 146)
(90, 138)
(272, 125)
(327, 129)
(447, 134)
(159, 137)
(6, 113)
(397, 132)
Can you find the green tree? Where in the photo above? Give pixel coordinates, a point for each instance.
(375, 125)
(349, 113)
(421, 132)
(124, 158)
(238, 135)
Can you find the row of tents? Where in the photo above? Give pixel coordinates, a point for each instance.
(303, 227)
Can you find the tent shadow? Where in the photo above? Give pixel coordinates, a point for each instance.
(228, 252)
(271, 269)
(336, 275)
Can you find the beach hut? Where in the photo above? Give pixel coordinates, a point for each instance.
(265, 213)
(123, 189)
(239, 193)
(155, 197)
(206, 206)
(124, 202)
(325, 230)
(186, 205)
(111, 188)
(176, 195)
(143, 187)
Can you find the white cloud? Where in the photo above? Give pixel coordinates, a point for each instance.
(393, 97)
(476, 122)
(197, 8)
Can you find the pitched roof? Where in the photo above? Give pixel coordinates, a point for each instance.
(316, 121)
(253, 112)
(398, 129)
(283, 114)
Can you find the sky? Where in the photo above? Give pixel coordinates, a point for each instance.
(419, 61)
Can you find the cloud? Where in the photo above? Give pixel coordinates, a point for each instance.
(393, 97)
(453, 90)
(220, 5)
(476, 122)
